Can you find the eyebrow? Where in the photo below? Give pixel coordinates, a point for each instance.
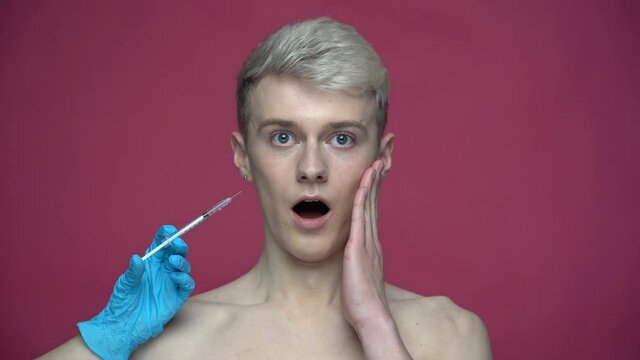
(346, 124)
(277, 122)
(290, 124)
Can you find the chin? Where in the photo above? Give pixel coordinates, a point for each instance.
(314, 250)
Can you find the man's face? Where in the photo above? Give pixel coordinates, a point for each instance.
(306, 150)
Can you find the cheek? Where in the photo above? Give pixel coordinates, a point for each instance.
(349, 178)
(268, 182)
(269, 172)
(352, 166)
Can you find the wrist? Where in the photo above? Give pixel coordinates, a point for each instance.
(105, 337)
(101, 341)
(380, 338)
(372, 318)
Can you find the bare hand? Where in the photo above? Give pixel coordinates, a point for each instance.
(363, 295)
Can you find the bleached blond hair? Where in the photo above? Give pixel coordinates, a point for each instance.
(323, 52)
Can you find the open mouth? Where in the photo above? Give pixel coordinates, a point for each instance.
(311, 209)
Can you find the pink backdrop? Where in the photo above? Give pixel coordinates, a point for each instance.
(514, 190)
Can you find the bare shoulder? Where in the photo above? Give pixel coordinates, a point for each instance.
(434, 326)
(202, 318)
(241, 291)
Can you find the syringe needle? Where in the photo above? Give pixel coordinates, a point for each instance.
(219, 206)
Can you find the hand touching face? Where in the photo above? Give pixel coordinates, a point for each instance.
(363, 295)
(307, 145)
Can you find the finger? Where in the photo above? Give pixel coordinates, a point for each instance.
(184, 284)
(179, 247)
(367, 209)
(357, 232)
(163, 233)
(375, 188)
(178, 263)
(374, 207)
(133, 276)
(358, 217)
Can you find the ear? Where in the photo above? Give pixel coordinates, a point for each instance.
(240, 154)
(386, 148)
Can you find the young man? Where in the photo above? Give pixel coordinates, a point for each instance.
(312, 108)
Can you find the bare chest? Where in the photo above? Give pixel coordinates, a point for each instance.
(278, 336)
(256, 334)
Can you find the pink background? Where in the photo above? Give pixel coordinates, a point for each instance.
(514, 189)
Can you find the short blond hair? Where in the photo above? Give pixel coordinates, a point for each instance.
(327, 54)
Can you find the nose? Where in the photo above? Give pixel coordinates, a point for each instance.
(311, 165)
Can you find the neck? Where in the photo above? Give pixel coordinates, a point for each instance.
(280, 277)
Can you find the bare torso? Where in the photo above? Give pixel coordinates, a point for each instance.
(233, 322)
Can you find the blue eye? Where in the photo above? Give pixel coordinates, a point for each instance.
(343, 140)
(282, 138)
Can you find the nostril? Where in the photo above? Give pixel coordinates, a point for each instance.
(311, 167)
(304, 176)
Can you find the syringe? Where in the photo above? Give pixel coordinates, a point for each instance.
(217, 207)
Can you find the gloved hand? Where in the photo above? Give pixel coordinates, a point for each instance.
(144, 299)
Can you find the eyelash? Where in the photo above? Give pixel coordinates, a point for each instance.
(351, 137)
(274, 137)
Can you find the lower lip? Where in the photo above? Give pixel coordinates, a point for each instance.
(310, 224)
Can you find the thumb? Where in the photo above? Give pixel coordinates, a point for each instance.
(133, 276)
(184, 285)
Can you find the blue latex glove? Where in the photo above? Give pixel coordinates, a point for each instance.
(144, 299)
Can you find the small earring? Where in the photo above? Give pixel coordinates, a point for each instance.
(245, 177)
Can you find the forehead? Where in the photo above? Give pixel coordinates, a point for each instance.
(291, 99)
